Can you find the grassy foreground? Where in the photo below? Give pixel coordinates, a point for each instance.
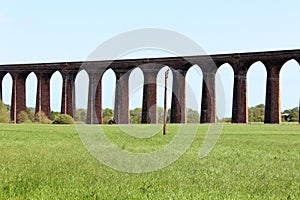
(248, 162)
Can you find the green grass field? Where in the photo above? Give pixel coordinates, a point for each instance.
(248, 162)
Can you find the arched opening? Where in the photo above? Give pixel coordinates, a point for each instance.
(6, 85)
(81, 95)
(7, 89)
(136, 83)
(257, 78)
(194, 81)
(224, 92)
(56, 82)
(108, 95)
(31, 89)
(6, 96)
(289, 89)
(160, 84)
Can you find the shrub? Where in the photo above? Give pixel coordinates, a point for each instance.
(27, 121)
(53, 114)
(22, 116)
(106, 119)
(4, 113)
(41, 117)
(30, 113)
(63, 119)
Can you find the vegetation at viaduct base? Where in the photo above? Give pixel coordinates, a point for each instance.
(4, 113)
(255, 114)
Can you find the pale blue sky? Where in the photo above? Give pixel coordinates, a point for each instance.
(39, 31)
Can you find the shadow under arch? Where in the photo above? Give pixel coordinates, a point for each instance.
(194, 84)
(224, 88)
(256, 81)
(136, 83)
(289, 86)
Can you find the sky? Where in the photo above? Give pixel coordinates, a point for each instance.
(38, 31)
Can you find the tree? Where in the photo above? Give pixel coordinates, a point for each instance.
(192, 116)
(257, 113)
(294, 117)
(81, 115)
(107, 115)
(291, 115)
(136, 116)
(4, 113)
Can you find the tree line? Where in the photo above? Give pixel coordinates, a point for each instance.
(136, 115)
(255, 114)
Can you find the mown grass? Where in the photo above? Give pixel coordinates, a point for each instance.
(248, 162)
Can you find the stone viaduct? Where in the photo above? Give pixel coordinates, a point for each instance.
(240, 62)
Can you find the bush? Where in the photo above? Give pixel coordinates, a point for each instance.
(30, 113)
(53, 114)
(63, 119)
(22, 116)
(4, 113)
(27, 121)
(41, 117)
(106, 119)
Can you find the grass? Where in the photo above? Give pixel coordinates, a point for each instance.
(248, 162)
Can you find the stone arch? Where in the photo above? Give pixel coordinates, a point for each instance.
(56, 82)
(194, 76)
(256, 81)
(81, 94)
(81, 88)
(289, 85)
(224, 91)
(7, 83)
(31, 90)
(136, 83)
(108, 94)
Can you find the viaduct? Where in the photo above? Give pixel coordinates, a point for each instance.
(240, 62)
